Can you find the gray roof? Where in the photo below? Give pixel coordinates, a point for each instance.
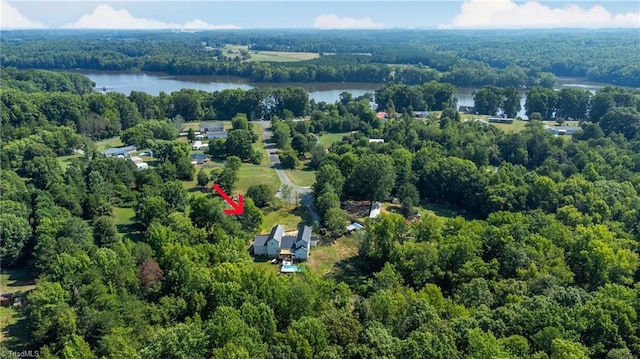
(304, 234)
(260, 241)
(208, 125)
(216, 134)
(277, 232)
(287, 242)
(114, 151)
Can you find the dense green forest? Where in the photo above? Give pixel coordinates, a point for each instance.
(463, 58)
(545, 264)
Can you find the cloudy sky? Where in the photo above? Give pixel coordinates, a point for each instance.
(354, 14)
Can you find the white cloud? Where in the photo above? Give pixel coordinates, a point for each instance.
(106, 17)
(478, 14)
(334, 22)
(11, 18)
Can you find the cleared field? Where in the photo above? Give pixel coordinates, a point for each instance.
(324, 258)
(302, 176)
(109, 142)
(289, 218)
(13, 328)
(271, 56)
(251, 174)
(124, 216)
(281, 56)
(430, 209)
(329, 138)
(64, 161)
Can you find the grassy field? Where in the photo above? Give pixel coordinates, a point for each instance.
(324, 258)
(329, 138)
(13, 329)
(124, 218)
(303, 175)
(64, 160)
(271, 56)
(430, 209)
(290, 218)
(109, 142)
(251, 174)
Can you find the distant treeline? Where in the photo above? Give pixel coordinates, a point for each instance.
(464, 59)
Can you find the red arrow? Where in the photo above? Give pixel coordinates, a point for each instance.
(237, 208)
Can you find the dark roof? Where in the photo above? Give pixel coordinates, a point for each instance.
(304, 234)
(260, 241)
(287, 242)
(114, 151)
(198, 156)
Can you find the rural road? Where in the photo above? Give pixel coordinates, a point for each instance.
(305, 192)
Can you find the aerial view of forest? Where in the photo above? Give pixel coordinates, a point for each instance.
(383, 216)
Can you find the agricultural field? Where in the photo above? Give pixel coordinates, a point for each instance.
(268, 56)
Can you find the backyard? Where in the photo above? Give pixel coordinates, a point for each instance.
(13, 325)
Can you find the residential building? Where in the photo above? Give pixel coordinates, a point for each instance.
(119, 151)
(198, 158)
(212, 130)
(562, 130)
(277, 245)
(470, 110)
(376, 207)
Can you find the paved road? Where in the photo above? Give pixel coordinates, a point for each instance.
(305, 192)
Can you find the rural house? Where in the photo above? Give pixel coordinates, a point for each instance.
(213, 130)
(376, 207)
(277, 245)
(119, 151)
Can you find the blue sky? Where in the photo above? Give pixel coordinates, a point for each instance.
(319, 14)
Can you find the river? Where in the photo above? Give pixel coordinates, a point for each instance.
(153, 84)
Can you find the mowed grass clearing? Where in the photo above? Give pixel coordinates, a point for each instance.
(304, 177)
(328, 139)
(291, 218)
(107, 143)
(324, 258)
(64, 160)
(13, 328)
(268, 56)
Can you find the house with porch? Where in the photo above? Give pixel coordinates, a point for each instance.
(277, 245)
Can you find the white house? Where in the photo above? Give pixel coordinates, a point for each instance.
(142, 166)
(212, 130)
(276, 244)
(198, 145)
(375, 210)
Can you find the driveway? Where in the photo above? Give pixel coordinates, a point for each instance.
(305, 192)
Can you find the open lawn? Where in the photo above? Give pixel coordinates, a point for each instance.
(109, 142)
(13, 329)
(329, 138)
(282, 56)
(124, 218)
(303, 175)
(263, 262)
(290, 218)
(231, 51)
(64, 160)
(251, 174)
(426, 208)
(324, 257)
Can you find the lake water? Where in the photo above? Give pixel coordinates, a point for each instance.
(327, 92)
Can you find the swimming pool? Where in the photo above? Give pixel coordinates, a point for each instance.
(289, 269)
